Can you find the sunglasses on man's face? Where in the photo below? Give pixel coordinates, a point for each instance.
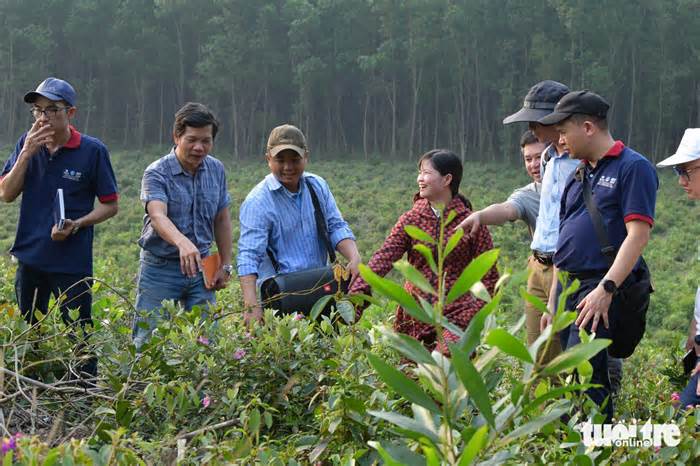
(684, 172)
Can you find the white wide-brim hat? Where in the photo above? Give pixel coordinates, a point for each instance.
(688, 150)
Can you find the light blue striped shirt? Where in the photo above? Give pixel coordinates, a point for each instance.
(271, 216)
(558, 170)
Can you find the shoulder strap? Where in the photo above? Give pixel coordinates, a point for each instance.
(321, 226)
(601, 232)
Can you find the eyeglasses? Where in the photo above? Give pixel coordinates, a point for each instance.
(50, 112)
(684, 172)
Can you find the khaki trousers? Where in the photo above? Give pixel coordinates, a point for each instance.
(539, 284)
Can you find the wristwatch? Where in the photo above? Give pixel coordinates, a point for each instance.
(76, 227)
(609, 286)
(228, 268)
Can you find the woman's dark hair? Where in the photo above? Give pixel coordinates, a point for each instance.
(195, 115)
(446, 163)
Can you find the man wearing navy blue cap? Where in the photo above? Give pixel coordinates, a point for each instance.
(53, 155)
(623, 186)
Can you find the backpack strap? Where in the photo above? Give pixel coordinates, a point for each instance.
(321, 226)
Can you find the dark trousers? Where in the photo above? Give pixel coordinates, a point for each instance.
(34, 287)
(569, 337)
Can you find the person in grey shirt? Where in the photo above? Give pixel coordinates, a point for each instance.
(523, 204)
(186, 201)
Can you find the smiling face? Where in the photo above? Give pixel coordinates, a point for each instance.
(288, 167)
(690, 179)
(193, 146)
(431, 184)
(532, 153)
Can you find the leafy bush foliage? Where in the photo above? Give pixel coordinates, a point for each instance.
(294, 391)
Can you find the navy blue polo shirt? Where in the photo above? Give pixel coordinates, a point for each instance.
(83, 170)
(624, 185)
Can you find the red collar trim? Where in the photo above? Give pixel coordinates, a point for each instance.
(74, 140)
(614, 151)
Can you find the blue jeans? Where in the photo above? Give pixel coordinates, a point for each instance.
(689, 395)
(161, 280)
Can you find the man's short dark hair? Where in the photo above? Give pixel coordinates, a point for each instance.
(195, 115)
(528, 137)
(600, 122)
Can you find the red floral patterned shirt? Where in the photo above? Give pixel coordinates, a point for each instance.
(399, 243)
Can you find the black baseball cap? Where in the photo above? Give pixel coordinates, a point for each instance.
(539, 102)
(584, 102)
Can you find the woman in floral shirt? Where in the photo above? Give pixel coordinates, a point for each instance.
(439, 176)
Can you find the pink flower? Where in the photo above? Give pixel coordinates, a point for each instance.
(298, 316)
(8, 444)
(239, 354)
(657, 449)
(690, 406)
(248, 336)
(202, 340)
(206, 401)
(675, 396)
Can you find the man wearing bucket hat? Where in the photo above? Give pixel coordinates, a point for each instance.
(278, 221)
(51, 156)
(686, 163)
(607, 211)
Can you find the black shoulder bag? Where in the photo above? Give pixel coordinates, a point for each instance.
(627, 315)
(298, 291)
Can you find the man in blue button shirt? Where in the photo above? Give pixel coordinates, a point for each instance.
(624, 186)
(186, 201)
(53, 155)
(278, 215)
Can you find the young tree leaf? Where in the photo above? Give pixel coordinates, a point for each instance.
(453, 241)
(319, 306)
(397, 455)
(408, 424)
(393, 291)
(473, 383)
(418, 234)
(427, 253)
(574, 356)
(534, 300)
(508, 344)
(474, 446)
(474, 272)
(450, 216)
(472, 335)
(346, 311)
(409, 347)
(401, 384)
(414, 276)
(538, 422)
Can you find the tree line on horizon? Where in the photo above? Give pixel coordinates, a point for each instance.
(360, 77)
